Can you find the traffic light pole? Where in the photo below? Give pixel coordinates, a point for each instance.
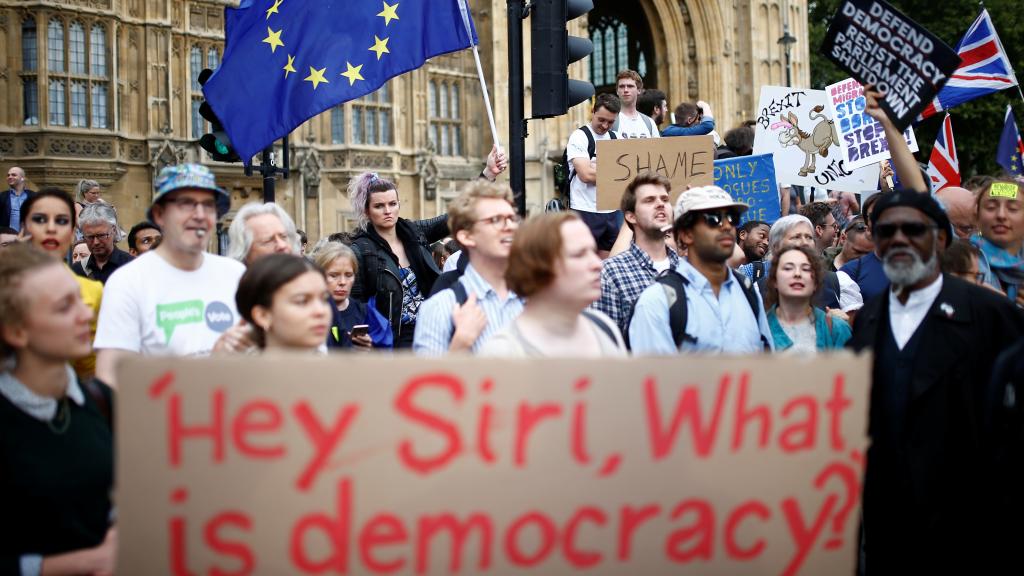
(269, 171)
(516, 105)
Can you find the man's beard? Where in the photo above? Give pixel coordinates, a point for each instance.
(903, 275)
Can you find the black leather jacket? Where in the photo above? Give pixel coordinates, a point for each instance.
(379, 270)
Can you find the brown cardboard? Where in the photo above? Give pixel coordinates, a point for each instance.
(616, 500)
(685, 160)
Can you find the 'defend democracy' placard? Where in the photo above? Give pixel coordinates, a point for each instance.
(396, 465)
(878, 45)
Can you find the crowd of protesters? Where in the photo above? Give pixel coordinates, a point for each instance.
(930, 284)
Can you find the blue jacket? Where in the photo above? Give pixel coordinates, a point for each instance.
(826, 339)
(705, 127)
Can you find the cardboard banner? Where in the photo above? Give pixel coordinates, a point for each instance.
(877, 44)
(365, 465)
(794, 126)
(862, 138)
(751, 180)
(685, 160)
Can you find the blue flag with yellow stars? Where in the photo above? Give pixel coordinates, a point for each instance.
(1010, 154)
(286, 61)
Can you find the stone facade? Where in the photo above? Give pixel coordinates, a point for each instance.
(116, 101)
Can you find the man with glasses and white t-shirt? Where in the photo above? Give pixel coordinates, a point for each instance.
(178, 299)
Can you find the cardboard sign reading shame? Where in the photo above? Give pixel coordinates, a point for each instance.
(878, 45)
(751, 180)
(685, 160)
(795, 126)
(862, 138)
(364, 465)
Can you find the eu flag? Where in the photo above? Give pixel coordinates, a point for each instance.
(286, 61)
(1010, 154)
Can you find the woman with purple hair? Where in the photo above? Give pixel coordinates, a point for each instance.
(396, 268)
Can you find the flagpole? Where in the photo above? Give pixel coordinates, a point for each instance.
(480, 74)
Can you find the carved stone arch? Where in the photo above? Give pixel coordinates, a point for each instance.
(166, 154)
(693, 59)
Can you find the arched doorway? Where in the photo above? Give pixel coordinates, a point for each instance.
(622, 39)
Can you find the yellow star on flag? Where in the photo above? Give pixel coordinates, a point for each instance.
(274, 39)
(273, 9)
(352, 73)
(380, 46)
(316, 76)
(289, 68)
(389, 13)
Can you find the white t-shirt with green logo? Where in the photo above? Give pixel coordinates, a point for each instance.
(153, 308)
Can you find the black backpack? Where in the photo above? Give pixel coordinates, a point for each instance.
(563, 172)
(678, 310)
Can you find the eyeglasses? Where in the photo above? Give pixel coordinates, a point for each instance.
(96, 237)
(189, 204)
(502, 220)
(910, 229)
(716, 219)
(857, 227)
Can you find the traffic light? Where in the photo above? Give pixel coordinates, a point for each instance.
(216, 142)
(552, 52)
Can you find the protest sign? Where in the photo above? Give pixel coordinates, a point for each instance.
(751, 180)
(685, 160)
(862, 138)
(360, 465)
(794, 126)
(879, 45)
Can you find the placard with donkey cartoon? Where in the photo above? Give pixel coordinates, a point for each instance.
(795, 126)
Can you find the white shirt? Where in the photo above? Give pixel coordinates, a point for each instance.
(582, 196)
(850, 297)
(906, 318)
(636, 127)
(153, 308)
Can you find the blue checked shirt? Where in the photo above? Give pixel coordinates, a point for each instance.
(724, 324)
(623, 278)
(434, 326)
(16, 201)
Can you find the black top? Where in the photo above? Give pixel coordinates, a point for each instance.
(343, 322)
(379, 274)
(54, 488)
(117, 259)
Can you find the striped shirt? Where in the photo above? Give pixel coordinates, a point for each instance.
(623, 278)
(434, 326)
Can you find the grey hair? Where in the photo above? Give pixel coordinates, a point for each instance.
(84, 186)
(100, 213)
(782, 226)
(240, 237)
(325, 254)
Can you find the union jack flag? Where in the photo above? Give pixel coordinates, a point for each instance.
(943, 165)
(984, 68)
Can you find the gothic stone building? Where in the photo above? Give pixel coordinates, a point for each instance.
(108, 90)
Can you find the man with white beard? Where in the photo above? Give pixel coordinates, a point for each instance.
(929, 483)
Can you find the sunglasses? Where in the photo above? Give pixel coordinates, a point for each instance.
(716, 219)
(909, 229)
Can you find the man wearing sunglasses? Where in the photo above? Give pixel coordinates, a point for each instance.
(929, 483)
(723, 313)
(856, 242)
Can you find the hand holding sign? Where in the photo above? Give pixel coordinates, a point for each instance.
(878, 45)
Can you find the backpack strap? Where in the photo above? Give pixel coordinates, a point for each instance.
(460, 292)
(591, 143)
(601, 325)
(649, 123)
(755, 303)
(674, 285)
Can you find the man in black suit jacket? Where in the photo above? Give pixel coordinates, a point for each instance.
(932, 503)
(16, 189)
